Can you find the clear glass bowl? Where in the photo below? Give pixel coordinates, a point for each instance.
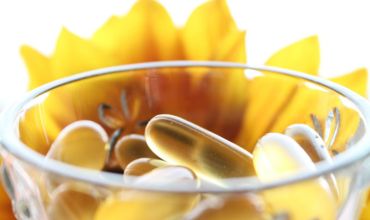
(238, 102)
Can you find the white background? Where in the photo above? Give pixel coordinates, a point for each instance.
(343, 29)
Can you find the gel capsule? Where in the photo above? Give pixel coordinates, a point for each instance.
(139, 205)
(130, 148)
(310, 140)
(277, 156)
(73, 203)
(81, 143)
(312, 143)
(178, 141)
(235, 207)
(142, 166)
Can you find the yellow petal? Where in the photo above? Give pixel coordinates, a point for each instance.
(231, 48)
(356, 81)
(303, 56)
(36, 128)
(106, 36)
(267, 95)
(38, 67)
(211, 33)
(271, 93)
(365, 213)
(307, 101)
(74, 54)
(5, 206)
(146, 33)
(229, 89)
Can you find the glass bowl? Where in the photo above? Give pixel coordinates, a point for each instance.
(238, 102)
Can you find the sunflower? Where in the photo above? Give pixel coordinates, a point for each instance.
(147, 33)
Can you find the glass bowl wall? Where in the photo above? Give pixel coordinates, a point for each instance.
(238, 102)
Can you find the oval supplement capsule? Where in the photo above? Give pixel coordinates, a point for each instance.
(181, 142)
(142, 166)
(130, 148)
(277, 156)
(236, 207)
(81, 143)
(73, 202)
(141, 204)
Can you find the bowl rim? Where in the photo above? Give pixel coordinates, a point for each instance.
(11, 143)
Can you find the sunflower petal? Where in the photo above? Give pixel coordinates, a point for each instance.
(320, 106)
(274, 92)
(356, 81)
(6, 212)
(37, 129)
(211, 34)
(232, 48)
(146, 33)
(107, 36)
(74, 54)
(303, 56)
(38, 67)
(208, 26)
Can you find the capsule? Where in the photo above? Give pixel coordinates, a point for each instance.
(235, 207)
(81, 143)
(142, 166)
(315, 146)
(73, 202)
(310, 140)
(131, 147)
(276, 156)
(138, 205)
(181, 142)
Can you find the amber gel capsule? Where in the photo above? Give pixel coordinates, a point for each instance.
(152, 205)
(73, 202)
(130, 148)
(181, 142)
(81, 143)
(142, 166)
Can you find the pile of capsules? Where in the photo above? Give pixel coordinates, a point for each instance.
(178, 151)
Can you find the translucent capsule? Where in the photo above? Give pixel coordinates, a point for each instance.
(81, 143)
(278, 155)
(130, 148)
(235, 207)
(178, 141)
(138, 205)
(310, 140)
(314, 145)
(73, 202)
(142, 166)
